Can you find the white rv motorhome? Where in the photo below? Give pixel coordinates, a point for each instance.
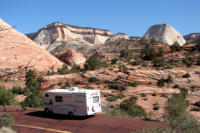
(73, 101)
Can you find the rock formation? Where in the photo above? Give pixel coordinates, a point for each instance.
(164, 33)
(17, 50)
(193, 37)
(71, 57)
(118, 37)
(49, 36)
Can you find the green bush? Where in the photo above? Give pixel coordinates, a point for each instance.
(17, 90)
(118, 112)
(153, 41)
(6, 96)
(159, 62)
(161, 82)
(63, 70)
(123, 68)
(93, 79)
(115, 97)
(183, 91)
(128, 54)
(114, 61)
(175, 47)
(32, 90)
(75, 68)
(88, 87)
(160, 52)
(92, 63)
(133, 84)
(67, 83)
(137, 61)
(6, 120)
(176, 110)
(116, 86)
(148, 53)
(131, 108)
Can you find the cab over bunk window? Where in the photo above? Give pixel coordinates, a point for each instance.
(58, 98)
(95, 99)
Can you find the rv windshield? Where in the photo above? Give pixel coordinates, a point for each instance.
(95, 99)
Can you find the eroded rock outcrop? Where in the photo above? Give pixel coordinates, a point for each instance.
(71, 57)
(164, 33)
(119, 36)
(57, 31)
(17, 51)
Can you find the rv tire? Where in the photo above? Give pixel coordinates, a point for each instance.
(70, 114)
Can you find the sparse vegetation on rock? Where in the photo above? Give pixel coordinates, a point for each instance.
(63, 70)
(175, 47)
(6, 96)
(115, 97)
(116, 86)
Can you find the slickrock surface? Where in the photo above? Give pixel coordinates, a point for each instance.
(17, 51)
(164, 33)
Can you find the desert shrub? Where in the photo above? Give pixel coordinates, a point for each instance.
(17, 90)
(6, 96)
(137, 61)
(131, 108)
(6, 120)
(116, 86)
(114, 61)
(148, 53)
(143, 95)
(119, 112)
(160, 52)
(159, 62)
(68, 83)
(63, 70)
(128, 54)
(169, 79)
(175, 47)
(161, 82)
(183, 91)
(92, 63)
(115, 97)
(93, 79)
(155, 129)
(32, 90)
(133, 84)
(187, 75)
(75, 68)
(123, 68)
(186, 61)
(197, 104)
(176, 110)
(88, 87)
(176, 86)
(198, 60)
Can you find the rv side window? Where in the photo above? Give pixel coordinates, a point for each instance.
(58, 98)
(95, 99)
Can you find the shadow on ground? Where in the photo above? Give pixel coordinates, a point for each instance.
(42, 114)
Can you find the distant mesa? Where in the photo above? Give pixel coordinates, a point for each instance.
(192, 38)
(164, 33)
(49, 36)
(17, 51)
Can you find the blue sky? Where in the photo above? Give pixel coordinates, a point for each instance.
(133, 17)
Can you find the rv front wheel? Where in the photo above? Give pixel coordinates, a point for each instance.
(70, 114)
